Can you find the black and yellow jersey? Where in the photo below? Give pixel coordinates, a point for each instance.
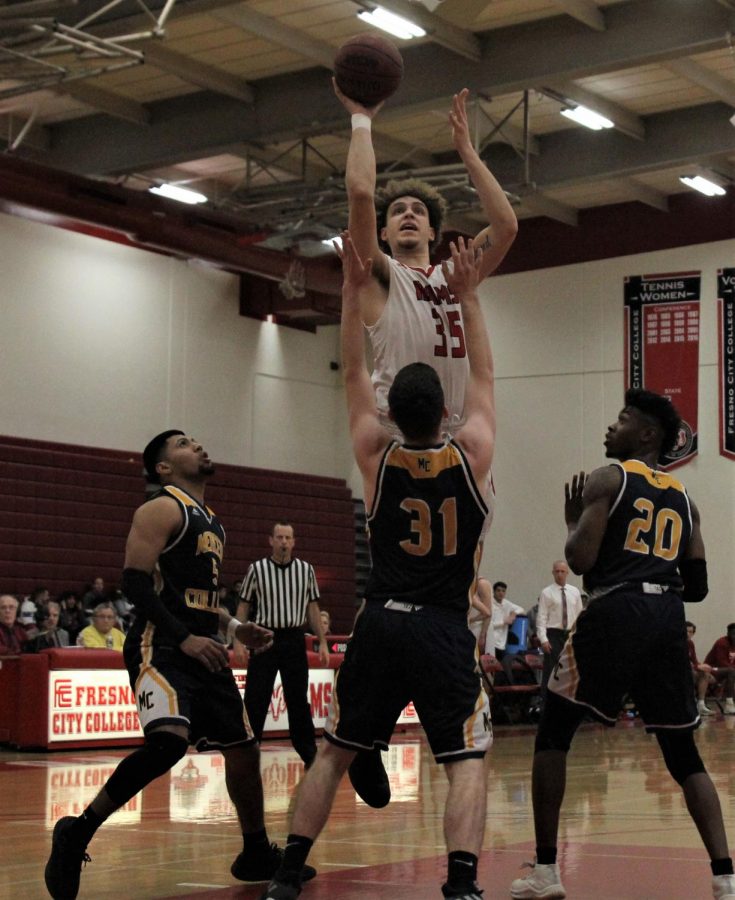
(424, 526)
(190, 565)
(648, 530)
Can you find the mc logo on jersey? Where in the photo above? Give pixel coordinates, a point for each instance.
(424, 464)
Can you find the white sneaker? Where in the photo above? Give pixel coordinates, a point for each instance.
(723, 887)
(542, 881)
(704, 710)
(729, 707)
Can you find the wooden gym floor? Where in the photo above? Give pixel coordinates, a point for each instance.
(625, 831)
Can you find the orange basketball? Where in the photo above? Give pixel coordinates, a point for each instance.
(368, 68)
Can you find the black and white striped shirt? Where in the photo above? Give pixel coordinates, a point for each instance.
(279, 593)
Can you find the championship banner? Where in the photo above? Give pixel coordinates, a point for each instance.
(662, 348)
(726, 361)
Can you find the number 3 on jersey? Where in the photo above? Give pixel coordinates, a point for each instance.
(456, 334)
(666, 531)
(419, 544)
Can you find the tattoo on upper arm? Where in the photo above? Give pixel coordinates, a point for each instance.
(486, 244)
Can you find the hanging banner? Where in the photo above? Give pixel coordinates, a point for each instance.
(726, 366)
(662, 348)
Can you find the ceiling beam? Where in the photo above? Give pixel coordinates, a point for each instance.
(554, 51)
(458, 40)
(319, 52)
(538, 204)
(584, 11)
(194, 72)
(408, 154)
(711, 81)
(507, 134)
(646, 194)
(105, 101)
(462, 12)
(11, 126)
(623, 119)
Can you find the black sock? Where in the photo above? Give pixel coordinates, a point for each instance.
(255, 841)
(461, 868)
(295, 852)
(546, 856)
(87, 824)
(722, 866)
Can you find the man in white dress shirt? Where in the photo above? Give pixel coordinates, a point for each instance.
(558, 607)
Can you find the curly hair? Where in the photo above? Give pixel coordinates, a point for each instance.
(661, 410)
(411, 187)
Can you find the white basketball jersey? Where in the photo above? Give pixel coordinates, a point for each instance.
(421, 322)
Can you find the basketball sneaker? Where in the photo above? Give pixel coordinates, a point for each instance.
(64, 866)
(466, 892)
(723, 887)
(262, 867)
(541, 881)
(369, 778)
(284, 887)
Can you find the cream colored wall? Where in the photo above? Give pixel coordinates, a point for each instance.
(105, 345)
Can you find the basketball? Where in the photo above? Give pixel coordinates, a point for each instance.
(368, 69)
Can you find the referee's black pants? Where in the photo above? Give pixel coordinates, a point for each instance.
(287, 656)
(557, 637)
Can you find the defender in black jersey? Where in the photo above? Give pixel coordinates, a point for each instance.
(412, 641)
(634, 534)
(179, 669)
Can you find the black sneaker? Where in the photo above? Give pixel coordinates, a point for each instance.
(263, 867)
(64, 866)
(468, 891)
(369, 778)
(282, 888)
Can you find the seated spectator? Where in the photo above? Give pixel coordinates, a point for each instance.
(722, 659)
(503, 616)
(102, 632)
(73, 617)
(701, 673)
(123, 607)
(95, 595)
(228, 599)
(12, 634)
(49, 633)
(326, 621)
(29, 607)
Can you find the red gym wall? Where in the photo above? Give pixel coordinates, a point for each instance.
(67, 511)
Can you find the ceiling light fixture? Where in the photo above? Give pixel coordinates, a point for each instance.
(174, 192)
(703, 185)
(587, 117)
(395, 25)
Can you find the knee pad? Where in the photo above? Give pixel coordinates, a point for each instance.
(680, 754)
(559, 722)
(161, 751)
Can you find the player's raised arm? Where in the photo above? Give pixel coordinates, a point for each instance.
(495, 240)
(361, 183)
(478, 434)
(586, 507)
(368, 436)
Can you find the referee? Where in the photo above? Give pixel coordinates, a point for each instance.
(283, 592)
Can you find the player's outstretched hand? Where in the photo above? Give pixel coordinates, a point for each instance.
(356, 273)
(352, 106)
(210, 653)
(573, 504)
(458, 121)
(255, 638)
(463, 275)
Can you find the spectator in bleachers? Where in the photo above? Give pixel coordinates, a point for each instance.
(123, 607)
(73, 617)
(504, 615)
(95, 595)
(701, 673)
(49, 632)
(326, 621)
(229, 599)
(722, 659)
(29, 607)
(12, 634)
(102, 632)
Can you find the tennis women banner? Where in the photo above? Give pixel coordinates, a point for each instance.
(726, 335)
(662, 347)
